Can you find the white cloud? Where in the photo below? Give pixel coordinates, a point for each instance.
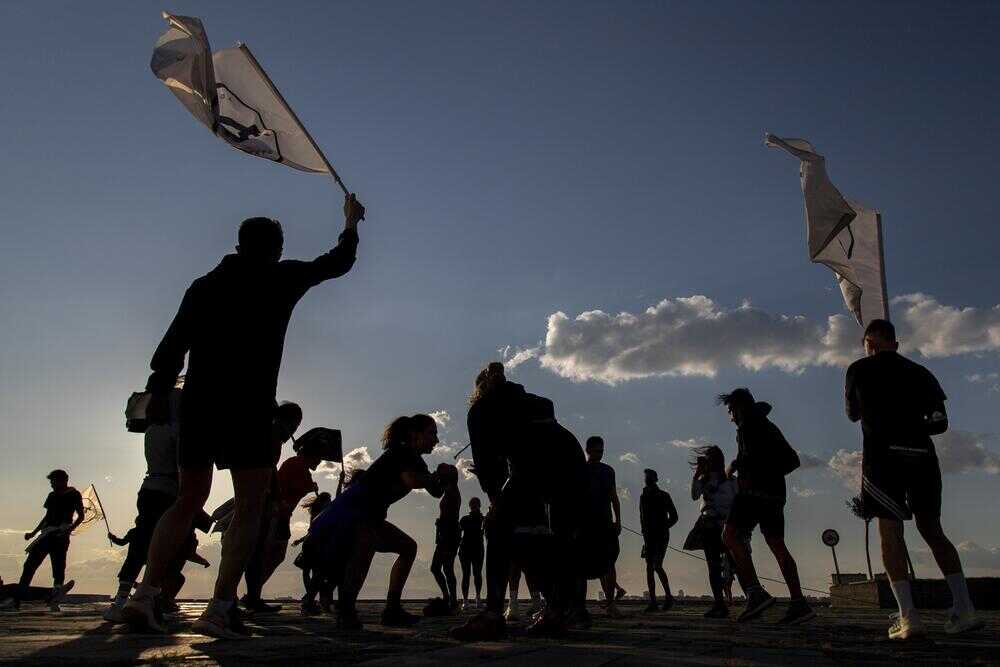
(808, 461)
(690, 443)
(695, 336)
(465, 467)
(973, 555)
(803, 492)
(629, 457)
(514, 358)
(442, 418)
(359, 457)
(977, 378)
(442, 449)
(962, 451)
(846, 466)
(624, 494)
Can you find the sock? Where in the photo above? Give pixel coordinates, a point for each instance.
(904, 598)
(961, 602)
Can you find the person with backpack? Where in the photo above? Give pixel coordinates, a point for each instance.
(763, 460)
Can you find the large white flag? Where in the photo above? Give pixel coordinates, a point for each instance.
(844, 235)
(231, 95)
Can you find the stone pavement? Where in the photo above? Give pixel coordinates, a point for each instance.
(78, 636)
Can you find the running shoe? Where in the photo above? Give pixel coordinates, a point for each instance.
(553, 625)
(310, 608)
(140, 614)
(906, 627)
(651, 607)
(258, 606)
(959, 623)
(513, 612)
(798, 612)
(113, 614)
(396, 617)
(620, 593)
(757, 602)
(218, 624)
(485, 626)
(59, 594)
(718, 610)
(168, 606)
(668, 602)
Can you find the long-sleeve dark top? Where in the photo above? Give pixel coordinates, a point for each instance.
(232, 323)
(762, 447)
(899, 403)
(657, 514)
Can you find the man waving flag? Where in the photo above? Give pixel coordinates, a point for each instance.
(844, 235)
(229, 93)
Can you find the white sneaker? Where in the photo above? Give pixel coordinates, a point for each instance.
(59, 594)
(906, 627)
(138, 612)
(113, 614)
(215, 624)
(513, 612)
(959, 623)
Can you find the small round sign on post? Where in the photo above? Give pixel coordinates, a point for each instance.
(831, 538)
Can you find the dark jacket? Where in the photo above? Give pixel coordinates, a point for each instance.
(232, 324)
(765, 457)
(657, 514)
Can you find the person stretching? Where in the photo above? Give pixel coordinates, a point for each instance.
(471, 551)
(446, 541)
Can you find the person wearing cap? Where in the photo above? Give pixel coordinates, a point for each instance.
(61, 505)
(657, 515)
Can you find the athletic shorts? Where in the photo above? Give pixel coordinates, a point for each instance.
(655, 550)
(895, 486)
(749, 511)
(238, 442)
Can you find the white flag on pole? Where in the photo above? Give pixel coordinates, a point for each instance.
(230, 93)
(844, 235)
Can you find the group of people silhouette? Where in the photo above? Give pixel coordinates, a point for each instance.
(553, 514)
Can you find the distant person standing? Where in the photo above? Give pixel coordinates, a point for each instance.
(61, 505)
(657, 515)
(763, 461)
(602, 530)
(716, 492)
(471, 550)
(156, 494)
(900, 406)
(447, 536)
(231, 324)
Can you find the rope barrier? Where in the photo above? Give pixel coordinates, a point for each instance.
(768, 579)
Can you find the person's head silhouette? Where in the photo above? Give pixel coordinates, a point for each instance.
(260, 240)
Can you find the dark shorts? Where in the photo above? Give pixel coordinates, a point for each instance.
(898, 486)
(749, 511)
(654, 551)
(236, 442)
(447, 536)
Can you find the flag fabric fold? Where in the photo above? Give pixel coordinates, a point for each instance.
(229, 92)
(844, 235)
(93, 512)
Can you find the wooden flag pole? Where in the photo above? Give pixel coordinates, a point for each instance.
(270, 84)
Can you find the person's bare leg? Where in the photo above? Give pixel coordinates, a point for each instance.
(608, 582)
(174, 527)
(741, 558)
(239, 540)
(945, 553)
(787, 565)
(356, 570)
(650, 581)
(390, 539)
(273, 558)
(893, 548)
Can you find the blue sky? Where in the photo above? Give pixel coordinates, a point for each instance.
(516, 159)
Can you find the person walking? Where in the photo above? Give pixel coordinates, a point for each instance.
(763, 460)
(716, 492)
(231, 326)
(900, 406)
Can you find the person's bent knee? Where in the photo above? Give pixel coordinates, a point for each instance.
(408, 549)
(930, 528)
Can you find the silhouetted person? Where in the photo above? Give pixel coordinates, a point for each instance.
(286, 490)
(712, 486)
(11, 595)
(156, 494)
(345, 537)
(447, 535)
(534, 473)
(764, 458)
(61, 505)
(471, 551)
(657, 515)
(602, 529)
(313, 582)
(231, 325)
(901, 405)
